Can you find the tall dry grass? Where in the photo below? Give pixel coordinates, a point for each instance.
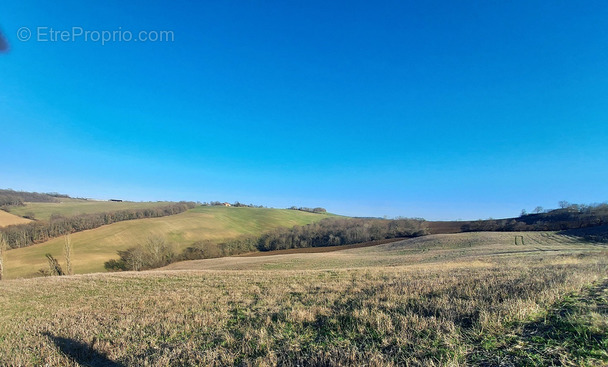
(385, 316)
(2, 250)
(67, 254)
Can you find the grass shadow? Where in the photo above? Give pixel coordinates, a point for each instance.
(573, 332)
(593, 234)
(82, 353)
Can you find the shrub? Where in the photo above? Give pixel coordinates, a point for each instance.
(155, 252)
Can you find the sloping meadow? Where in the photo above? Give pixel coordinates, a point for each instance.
(379, 316)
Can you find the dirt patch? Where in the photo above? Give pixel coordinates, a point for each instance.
(442, 227)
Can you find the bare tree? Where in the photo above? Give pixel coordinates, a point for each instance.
(563, 204)
(2, 249)
(67, 253)
(157, 252)
(54, 267)
(539, 209)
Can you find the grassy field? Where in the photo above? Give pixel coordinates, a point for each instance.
(69, 207)
(7, 219)
(93, 247)
(472, 247)
(442, 300)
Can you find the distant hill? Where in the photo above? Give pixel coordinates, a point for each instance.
(584, 217)
(596, 234)
(75, 220)
(69, 207)
(10, 197)
(93, 247)
(571, 217)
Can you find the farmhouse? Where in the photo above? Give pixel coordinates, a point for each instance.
(226, 204)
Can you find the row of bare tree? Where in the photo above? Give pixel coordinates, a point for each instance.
(22, 235)
(17, 198)
(568, 216)
(156, 252)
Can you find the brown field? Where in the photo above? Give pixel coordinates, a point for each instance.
(442, 227)
(443, 300)
(7, 219)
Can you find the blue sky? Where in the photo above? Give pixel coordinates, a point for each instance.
(441, 110)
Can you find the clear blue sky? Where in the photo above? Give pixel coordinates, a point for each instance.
(442, 110)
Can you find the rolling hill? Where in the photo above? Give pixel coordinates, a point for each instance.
(442, 300)
(419, 251)
(93, 247)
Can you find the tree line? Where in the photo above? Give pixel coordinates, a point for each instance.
(22, 235)
(568, 216)
(17, 198)
(327, 232)
(235, 204)
(339, 231)
(310, 210)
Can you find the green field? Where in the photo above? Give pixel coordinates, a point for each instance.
(69, 207)
(442, 300)
(94, 247)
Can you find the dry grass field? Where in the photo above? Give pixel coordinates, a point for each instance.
(421, 251)
(444, 300)
(7, 219)
(94, 247)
